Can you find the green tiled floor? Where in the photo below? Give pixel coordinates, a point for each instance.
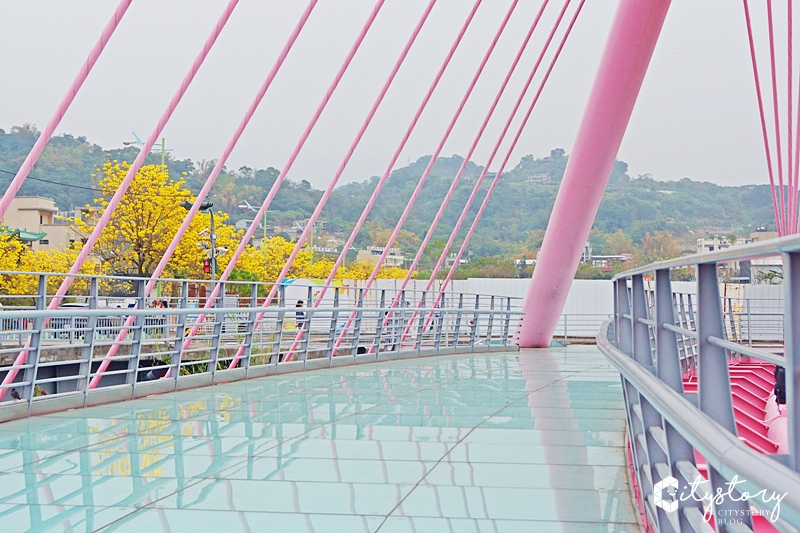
(514, 442)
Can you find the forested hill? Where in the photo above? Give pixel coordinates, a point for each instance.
(520, 204)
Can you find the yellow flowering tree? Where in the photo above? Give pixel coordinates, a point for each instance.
(146, 220)
(19, 258)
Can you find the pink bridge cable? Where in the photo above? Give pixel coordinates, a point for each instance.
(44, 138)
(762, 114)
(123, 187)
(473, 146)
(211, 299)
(313, 219)
(789, 128)
(429, 167)
(207, 186)
(794, 223)
(776, 111)
(505, 159)
(395, 157)
(479, 182)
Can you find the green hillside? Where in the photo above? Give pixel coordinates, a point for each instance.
(520, 206)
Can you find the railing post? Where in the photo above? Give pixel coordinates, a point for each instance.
(625, 331)
(459, 314)
(180, 333)
(475, 321)
(421, 316)
(491, 322)
(791, 336)
(749, 331)
(278, 337)
(642, 350)
(34, 353)
(398, 322)
(357, 322)
(382, 316)
(438, 326)
(249, 336)
(88, 340)
(643, 354)
(334, 321)
(136, 347)
(507, 322)
(216, 337)
(714, 385)
(307, 326)
(668, 370)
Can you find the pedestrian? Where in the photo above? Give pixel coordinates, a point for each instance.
(300, 317)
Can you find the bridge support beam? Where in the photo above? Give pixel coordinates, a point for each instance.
(631, 41)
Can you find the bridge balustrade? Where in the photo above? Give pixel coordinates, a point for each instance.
(656, 338)
(66, 346)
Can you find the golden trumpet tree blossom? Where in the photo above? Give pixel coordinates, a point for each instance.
(17, 257)
(146, 220)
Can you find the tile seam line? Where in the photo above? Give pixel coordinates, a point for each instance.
(240, 463)
(441, 459)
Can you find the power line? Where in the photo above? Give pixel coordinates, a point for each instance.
(70, 185)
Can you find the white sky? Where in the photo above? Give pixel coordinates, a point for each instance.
(696, 115)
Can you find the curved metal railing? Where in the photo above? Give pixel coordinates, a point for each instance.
(653, 346)
(49, 358)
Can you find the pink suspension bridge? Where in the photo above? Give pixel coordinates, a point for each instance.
(624, 62)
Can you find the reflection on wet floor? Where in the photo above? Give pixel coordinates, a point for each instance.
(529, 441)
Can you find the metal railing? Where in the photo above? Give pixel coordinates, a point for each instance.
(657, 336)
(63, 349)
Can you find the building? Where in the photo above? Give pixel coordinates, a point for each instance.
(586, 255)
(607, 263)
(719, 243)
(394, 258)
(539, 179)
(761, 234)
(38, 223)
(451, 259)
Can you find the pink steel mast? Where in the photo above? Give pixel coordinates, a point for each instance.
(51, 126)
(209, 183)
(274, 190)
(432, 161)
(634, 33)
(395, 157)
(313, 219)
(115, 200)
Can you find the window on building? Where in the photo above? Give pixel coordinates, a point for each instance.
(44, 241)
(41, 219)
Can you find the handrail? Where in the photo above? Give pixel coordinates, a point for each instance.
(228, 283)
(65, 347)
(746, 251)
(721, 449)
(749, 352)
(664, 337)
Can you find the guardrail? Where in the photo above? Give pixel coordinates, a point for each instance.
(63, 349)
(658, 336)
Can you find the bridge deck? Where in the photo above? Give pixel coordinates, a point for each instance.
(529, 441)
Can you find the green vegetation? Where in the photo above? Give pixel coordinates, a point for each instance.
(642, 216)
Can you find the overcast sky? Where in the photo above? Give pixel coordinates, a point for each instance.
(696, 115)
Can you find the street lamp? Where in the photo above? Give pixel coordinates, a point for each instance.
(246, 205)
(207, 207)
